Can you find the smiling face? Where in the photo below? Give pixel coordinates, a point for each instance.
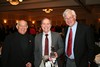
(46, 25)
(69, 17)
(22, 27)
(70, 20)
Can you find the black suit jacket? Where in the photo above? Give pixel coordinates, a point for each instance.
(83, 45)
(57, 42)
(13, 54)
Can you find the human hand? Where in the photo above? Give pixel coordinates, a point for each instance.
(97, 59)
(56, 55)
(28, 64)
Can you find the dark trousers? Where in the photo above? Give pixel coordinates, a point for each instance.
(70, 63)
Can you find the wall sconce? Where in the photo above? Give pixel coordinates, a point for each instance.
(33, 22)
(14, 2)
(47, 10)
(98, 19)
(17, 21)
(5, 21)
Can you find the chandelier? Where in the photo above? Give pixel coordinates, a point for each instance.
(14, 2)
(47, 10)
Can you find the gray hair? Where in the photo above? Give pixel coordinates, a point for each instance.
(46, 18)
(69, 11)
(22, 21)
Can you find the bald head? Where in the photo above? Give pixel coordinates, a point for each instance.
(22, 26)
(22, 22)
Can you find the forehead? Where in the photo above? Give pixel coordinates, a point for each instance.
(22, 23)
(46, 21)
(68, 14)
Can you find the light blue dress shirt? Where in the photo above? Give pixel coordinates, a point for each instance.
(74, 27)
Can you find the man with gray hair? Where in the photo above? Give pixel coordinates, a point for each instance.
(79, 41)
(17, 50)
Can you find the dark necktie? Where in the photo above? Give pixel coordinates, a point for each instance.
(46, 52)
(69, 46)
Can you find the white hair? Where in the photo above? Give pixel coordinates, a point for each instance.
(22, 21)
(69, 11)
(18, 24)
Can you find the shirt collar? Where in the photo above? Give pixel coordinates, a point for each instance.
(47, 33)
(74, 26)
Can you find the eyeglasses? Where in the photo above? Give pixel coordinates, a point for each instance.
(70, 18)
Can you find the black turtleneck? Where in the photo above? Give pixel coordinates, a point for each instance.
(25, 45)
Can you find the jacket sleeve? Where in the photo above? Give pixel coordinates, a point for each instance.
(5, 52)
(91, 44)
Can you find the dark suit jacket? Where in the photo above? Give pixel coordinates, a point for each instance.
(56, 41)
(13, 54)
(83, 45)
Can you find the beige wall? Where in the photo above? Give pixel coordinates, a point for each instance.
(56, 16)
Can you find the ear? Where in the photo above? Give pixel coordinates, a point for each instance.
(17, 26)
(51, 25)
(27, 26)
(41, 25)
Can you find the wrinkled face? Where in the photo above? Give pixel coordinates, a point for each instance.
(70, 19)
(22, 27)
(46, 25)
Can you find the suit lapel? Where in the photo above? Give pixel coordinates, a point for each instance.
(40, 45)
(78, 32)
(52, 38)
(65, 33)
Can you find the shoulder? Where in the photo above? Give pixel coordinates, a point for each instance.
(10, 36)
(55, 33)
(84, 26)
(30, 36)
(38, 35)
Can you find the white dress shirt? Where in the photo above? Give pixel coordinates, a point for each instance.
(43, 42)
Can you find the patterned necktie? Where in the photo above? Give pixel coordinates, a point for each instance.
(46, 52)
(69, 46)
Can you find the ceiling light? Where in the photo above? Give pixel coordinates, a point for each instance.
(47, 10)
(14, 2)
